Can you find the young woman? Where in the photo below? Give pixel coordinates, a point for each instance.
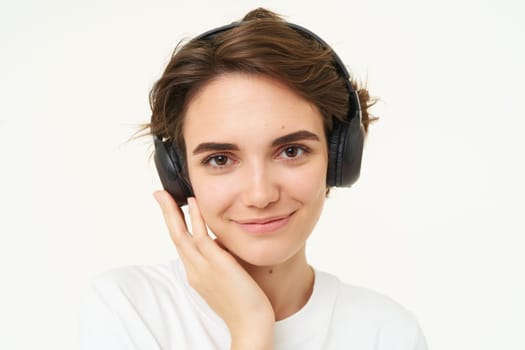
(253, 123)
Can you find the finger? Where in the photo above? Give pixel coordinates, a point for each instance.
(184, 243)
(198, 226)
(204, 242)
(174, 219)
(220, 244)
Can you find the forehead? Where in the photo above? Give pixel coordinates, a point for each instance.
(236, 105)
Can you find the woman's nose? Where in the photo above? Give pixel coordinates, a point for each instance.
(260, 187)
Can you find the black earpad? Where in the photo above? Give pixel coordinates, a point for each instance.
(345, 153)
(169, 167)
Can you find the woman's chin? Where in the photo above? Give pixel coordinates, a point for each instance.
(264, 258)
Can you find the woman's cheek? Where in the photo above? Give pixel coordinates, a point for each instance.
(213, 194)
(306, 183)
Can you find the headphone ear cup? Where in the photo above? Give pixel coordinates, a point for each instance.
(333, 151)
(345, 152)
(169, 167)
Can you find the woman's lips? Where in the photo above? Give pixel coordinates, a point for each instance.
(259, 226)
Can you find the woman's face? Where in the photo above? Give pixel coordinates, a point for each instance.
(257, 161)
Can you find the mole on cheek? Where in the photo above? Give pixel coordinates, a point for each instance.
(270, 271)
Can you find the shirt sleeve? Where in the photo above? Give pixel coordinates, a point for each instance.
(420, 342)
(401, 333)
(108, 320)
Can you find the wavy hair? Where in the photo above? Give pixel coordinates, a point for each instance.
(264, 44)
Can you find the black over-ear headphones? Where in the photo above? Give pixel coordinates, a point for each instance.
(345, 142)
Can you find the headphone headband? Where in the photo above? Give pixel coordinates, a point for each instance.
(354, 103)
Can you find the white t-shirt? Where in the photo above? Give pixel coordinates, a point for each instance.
(154, 307)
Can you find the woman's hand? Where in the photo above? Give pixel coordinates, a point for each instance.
(219, 278)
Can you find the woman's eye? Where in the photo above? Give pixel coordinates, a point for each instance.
(291, 152)
(218, 161)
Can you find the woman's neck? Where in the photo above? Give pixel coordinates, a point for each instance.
(288, 286)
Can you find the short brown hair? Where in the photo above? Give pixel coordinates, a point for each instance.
(262, 43)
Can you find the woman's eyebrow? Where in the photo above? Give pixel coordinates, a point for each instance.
(295, 136)
(214, 146)
(218, 146)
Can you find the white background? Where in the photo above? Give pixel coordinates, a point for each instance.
(435, 221)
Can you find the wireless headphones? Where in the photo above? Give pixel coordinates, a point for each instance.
(345, 142)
